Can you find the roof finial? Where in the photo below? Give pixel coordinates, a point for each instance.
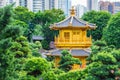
(72, 11)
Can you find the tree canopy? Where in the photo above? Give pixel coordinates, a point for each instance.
(112, 31)
(45, 19)
(21, 60)
(14, 47)
(23, 14)
(99, 18)
(67, 61)
(7, 37)
(103, 67)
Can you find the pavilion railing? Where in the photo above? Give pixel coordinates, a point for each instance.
(59, 40)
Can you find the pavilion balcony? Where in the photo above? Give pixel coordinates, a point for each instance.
(72, 43)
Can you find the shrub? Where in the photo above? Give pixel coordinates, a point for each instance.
(36, 66)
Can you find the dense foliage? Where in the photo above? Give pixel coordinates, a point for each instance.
(100, 19)
(45, 19)
(103, 62)
(7, 66)
(15, 50)
(112, 31)
(21, 59)
(36, 66)
(103, 67)
(52, 74)
(67, 61)
(35, 47)
(23, 14)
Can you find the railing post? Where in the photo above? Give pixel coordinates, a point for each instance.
(55, 39)
(58, 39)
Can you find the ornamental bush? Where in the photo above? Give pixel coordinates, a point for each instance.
(36, 66)
(111, 33)
(67, 61)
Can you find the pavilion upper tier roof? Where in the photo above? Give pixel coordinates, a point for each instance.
(73, 21)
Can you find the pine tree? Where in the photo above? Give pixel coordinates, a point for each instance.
(67, 61)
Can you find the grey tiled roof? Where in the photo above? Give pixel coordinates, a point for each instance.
(74, 52)
(73, 21)
(37, 37)
(79, 52)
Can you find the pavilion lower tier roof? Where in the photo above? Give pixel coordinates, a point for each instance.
(74, 52)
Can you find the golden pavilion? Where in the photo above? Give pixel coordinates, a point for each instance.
(73, 37)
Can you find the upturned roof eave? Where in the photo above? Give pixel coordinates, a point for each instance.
(54, 27)
(69, 27)
(90, 25)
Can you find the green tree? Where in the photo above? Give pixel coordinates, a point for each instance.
(112, 31)
(6, 60)
(36, 66)
(24, 26)
(48, 35)
(100, 19)
(14, 48)
(23, 14)
(116, 54)
(48, 16)
(7, 37)
(21, 48)
(103, 67)
(97, 47)
(35, 47)
(45, 19)
(10, 32)
(52, 74)
(38, 30)
(67, 61)
(5, 17)
(71, 75)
